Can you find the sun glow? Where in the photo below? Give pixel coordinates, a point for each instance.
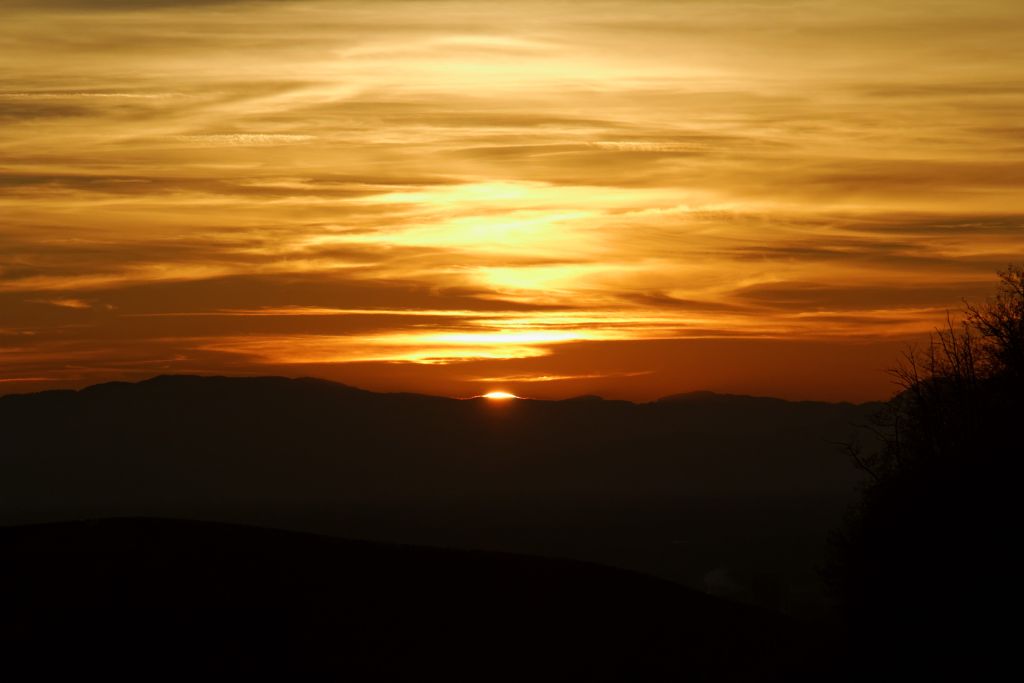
(502, 193)
(499, 395)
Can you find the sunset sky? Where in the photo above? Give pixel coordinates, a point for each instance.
(629, 198)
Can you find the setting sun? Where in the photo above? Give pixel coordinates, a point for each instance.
(499, 395)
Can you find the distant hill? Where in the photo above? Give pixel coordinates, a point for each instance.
(159, 597)
(733, 495)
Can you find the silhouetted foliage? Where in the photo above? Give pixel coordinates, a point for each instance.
(921, 566)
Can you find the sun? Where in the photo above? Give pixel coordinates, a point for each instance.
(499, 395)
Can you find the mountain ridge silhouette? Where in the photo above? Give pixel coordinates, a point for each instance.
(689, 490)
(694, 395)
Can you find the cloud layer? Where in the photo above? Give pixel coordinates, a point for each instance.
(563, 196)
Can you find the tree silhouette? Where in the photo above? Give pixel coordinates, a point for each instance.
(921, 568)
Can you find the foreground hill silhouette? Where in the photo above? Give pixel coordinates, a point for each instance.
(194, 597)
(732, 495)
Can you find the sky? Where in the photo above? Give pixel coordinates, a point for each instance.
(631, 199)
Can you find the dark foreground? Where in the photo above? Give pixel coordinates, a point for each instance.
(152, 598)
(731, 495)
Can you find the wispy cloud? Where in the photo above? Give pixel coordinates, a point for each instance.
(231, 185)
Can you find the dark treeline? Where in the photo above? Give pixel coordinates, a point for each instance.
(922, 568)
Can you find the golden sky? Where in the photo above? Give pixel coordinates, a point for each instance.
(628, 198)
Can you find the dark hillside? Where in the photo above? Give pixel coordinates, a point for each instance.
(721, 493)
(159, 597)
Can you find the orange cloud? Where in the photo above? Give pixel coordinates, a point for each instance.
(326, 185)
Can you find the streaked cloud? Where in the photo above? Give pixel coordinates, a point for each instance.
(304, 185)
